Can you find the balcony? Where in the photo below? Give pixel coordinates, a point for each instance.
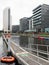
(37, 23)
(37, 18)
(37, 12)
(37, 15)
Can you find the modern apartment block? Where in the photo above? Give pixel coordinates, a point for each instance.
(15, 28)
(7, 27)
(24, 24)
(41, 18)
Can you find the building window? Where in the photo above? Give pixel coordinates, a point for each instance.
(46, 29)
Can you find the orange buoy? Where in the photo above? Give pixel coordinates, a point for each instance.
(7, 59)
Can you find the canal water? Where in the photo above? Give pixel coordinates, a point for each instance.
(23, 41)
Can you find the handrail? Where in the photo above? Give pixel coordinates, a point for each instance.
(37, 50)
(34, 50)
(40, 44)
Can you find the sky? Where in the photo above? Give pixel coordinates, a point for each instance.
(19, 9)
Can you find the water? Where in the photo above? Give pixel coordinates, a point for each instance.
(16, 39)
(23, 41)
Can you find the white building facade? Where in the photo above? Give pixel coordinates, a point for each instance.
(30, 24)
(7, 27)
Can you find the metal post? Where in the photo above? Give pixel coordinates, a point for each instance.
(37, 52)
(37, 49)
(47, 52)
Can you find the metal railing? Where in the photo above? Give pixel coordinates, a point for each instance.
(39, 50)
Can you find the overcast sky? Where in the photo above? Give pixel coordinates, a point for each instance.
(19, 9)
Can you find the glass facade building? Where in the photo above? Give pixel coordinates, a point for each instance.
(41, 17)
(24, 24)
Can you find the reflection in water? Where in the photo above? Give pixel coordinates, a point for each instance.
(23, 41)
(16, 39)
